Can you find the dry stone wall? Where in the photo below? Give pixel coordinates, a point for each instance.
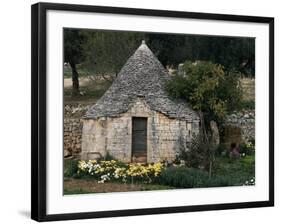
(73, 129)
(239, 127)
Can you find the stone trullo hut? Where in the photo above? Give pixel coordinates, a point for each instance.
(136, 120)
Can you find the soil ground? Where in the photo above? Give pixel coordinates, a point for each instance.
(83, 186)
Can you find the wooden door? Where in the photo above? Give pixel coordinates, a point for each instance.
(139, 139)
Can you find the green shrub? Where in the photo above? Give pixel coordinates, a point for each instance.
(222, 151)
(219, 181)
(247, 105)
(237, 171)
(183, 177)
(195, 154)
(70, 167)
(247, 148)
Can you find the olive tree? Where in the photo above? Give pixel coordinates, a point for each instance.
(209, 90)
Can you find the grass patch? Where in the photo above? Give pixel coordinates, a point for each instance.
(183, 177)
(227, 172)
(238, 170)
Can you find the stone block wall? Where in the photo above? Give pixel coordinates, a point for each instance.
(114, 135)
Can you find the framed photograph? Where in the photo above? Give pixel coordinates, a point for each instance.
(139, 111)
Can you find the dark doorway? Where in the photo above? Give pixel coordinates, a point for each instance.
(139, 139)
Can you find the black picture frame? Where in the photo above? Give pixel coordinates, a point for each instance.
(38, 108)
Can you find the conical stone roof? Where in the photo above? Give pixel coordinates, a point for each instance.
(142, 76)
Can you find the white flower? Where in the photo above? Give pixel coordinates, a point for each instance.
(97, 166)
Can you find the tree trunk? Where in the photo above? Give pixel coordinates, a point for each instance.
(210, 166)
(202, 121)
(75, 80)
(207, 143)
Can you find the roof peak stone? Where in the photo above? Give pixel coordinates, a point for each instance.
(144, 47)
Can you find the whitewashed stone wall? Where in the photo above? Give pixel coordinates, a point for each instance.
(114, 135)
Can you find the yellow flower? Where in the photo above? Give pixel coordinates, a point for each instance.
(93, 161)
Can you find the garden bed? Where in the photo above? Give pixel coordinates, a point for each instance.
(227, 172)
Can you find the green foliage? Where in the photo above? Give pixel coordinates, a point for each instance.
(73, 54)
(227, 172)
(239, 170)
(207, 88)
(230, 91)
(222, 150)
(182, 177)
(70, 167)
(247, 148)
(103, 53)
(195, 154)
(174, 49)
(113, 170)
(171, 49)
(213, 93)
(107, 52)
(247, 105)
(73, 40)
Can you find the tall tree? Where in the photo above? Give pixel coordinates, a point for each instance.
(235, 54)
(210, 91)
(73, 54)
(106, 52)
(170, 49)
